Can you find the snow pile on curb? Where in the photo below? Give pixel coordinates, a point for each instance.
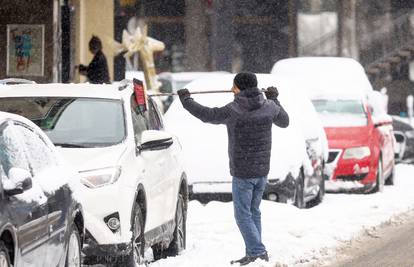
(292, 236)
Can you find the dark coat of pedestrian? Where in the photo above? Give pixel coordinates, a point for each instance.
(249, 119)
(97, 70)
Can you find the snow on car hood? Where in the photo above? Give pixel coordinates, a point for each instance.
(93, 158)
(204, 146)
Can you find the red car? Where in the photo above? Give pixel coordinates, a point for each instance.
(361, 142)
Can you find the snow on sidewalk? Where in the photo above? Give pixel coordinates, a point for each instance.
(291, 235)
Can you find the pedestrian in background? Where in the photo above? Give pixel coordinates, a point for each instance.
(249, 120)
(97, 70)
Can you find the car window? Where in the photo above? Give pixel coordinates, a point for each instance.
(140, 120)
(40, 156)
(154, 118)
(71, 121)
(11, 151)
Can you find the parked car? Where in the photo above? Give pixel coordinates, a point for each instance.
(360, 134)
(173, 81)
(292, 176)
(9, 81)
(122, 153)
(404, 135)
(41, 220)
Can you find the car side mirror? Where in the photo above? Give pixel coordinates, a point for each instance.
(381, 120)
(19, 180)
(155, 140)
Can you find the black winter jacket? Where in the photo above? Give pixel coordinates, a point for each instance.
(97, 70)
(249, 120)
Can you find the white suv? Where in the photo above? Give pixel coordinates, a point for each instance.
(135, 190)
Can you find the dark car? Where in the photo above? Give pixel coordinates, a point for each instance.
(41, 224)
(404, 135)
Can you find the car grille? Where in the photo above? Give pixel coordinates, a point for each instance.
(332, 156)
(354, 177)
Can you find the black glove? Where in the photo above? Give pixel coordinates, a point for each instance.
(183, 94)
(272, 93)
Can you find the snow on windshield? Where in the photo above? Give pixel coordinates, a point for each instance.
(341, 112)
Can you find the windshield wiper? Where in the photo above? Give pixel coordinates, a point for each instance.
(70, 145)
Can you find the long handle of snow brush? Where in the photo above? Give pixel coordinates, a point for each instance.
(196, 93)
(193, 93)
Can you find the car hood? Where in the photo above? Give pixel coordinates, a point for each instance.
(93, 158)
(343, 137)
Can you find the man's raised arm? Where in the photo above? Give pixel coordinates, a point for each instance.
(205, 114)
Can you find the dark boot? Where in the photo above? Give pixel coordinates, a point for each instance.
(251, 259)
(242, 260)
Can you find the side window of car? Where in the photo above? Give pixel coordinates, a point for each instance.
(11, 151)
(40, 155)
(140, 120)
(154, 118)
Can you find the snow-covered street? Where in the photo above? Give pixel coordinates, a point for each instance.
(292, 236)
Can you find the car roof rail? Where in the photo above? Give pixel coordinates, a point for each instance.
(16, 81)
(124, 84)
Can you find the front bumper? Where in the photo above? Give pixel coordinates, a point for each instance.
(349, 175)
(99, 204)
(110, 253)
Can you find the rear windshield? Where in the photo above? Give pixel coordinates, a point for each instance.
(72, 122)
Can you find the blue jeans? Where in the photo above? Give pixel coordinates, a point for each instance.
(247, 195)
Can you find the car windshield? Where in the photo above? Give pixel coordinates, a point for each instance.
(341, 112)
(72, 122)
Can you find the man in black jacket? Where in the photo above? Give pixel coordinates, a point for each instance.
(97, 70)
(249, 120)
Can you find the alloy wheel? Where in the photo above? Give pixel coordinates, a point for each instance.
(137, 244)
(73, 251)
(3, 260)
(380, 177)
(180, 226)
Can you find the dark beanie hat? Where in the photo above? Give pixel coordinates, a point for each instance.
(244, 80)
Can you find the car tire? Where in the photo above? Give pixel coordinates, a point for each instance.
(4, 255)
(136, 257)
(321, 194)
(299, 194)
(379, 184)
(180, 235)
(390, 179)
(73, 251)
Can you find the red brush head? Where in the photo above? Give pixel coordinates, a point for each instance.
(140, 96)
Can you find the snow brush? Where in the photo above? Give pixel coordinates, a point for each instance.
(140, 93)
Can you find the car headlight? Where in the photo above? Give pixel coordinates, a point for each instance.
(100, 177)
(357, 152)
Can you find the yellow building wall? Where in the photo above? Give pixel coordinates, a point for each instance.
(93, 17)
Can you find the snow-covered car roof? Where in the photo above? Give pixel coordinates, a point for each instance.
(106, 91)
(9, 116)
(319, 75)
(188, 76)
(205, 145)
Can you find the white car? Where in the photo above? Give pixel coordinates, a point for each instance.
(173, 81)
(205, 145)
(134, 186)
